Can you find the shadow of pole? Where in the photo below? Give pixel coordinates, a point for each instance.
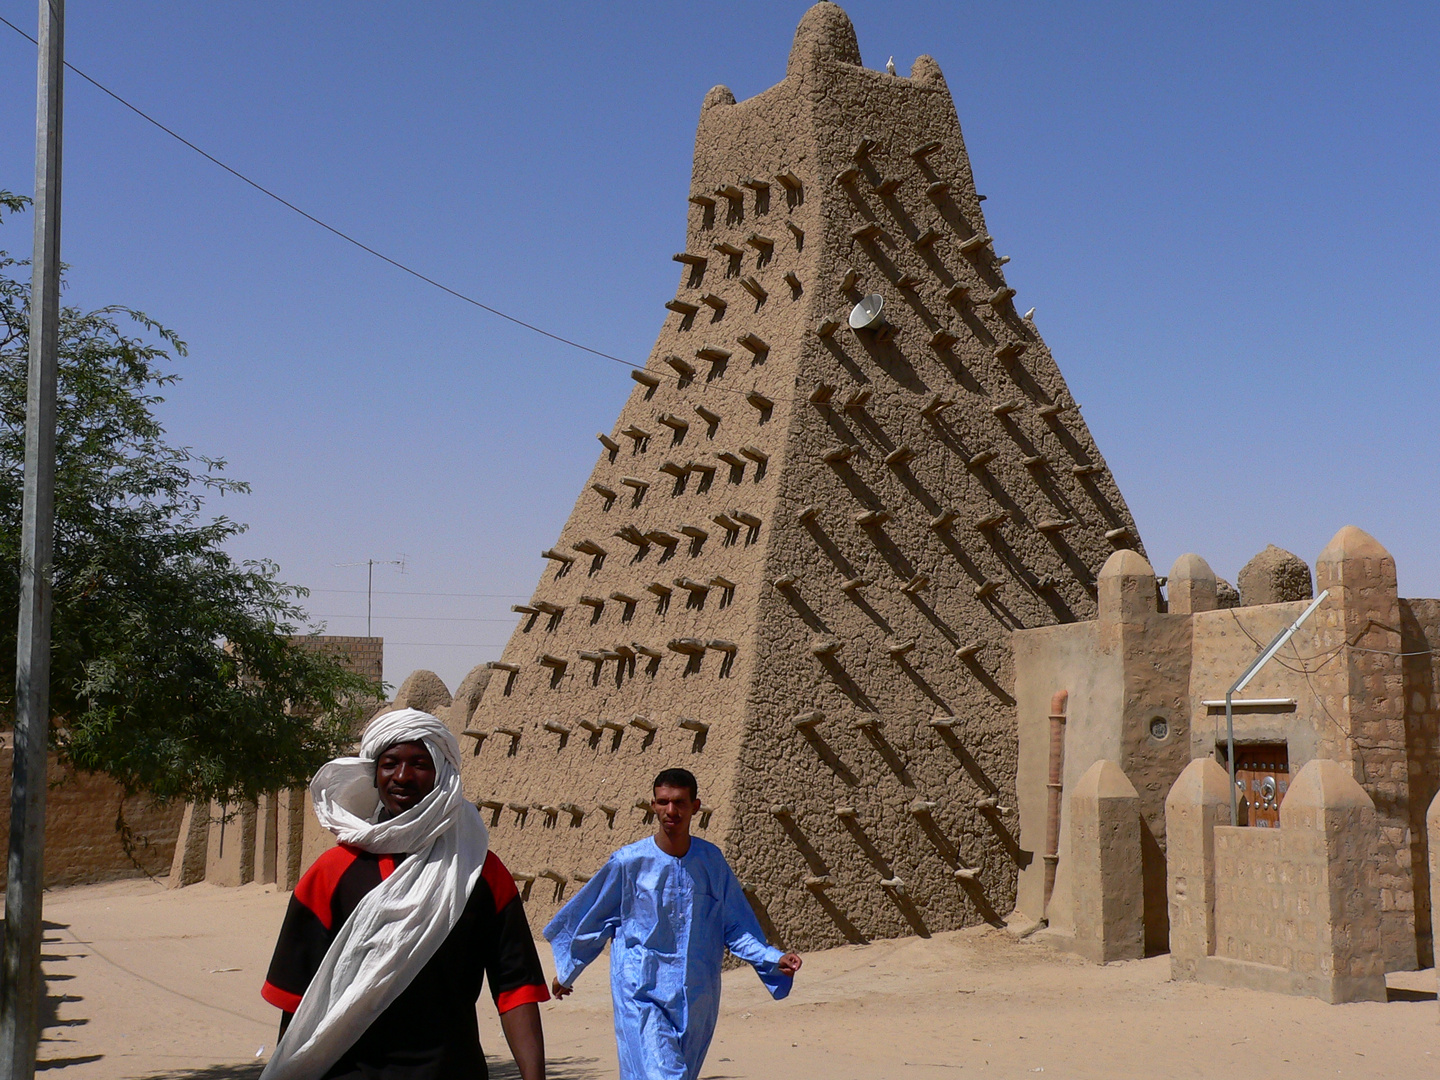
(921, 683)
(867, 846)
(933, 617)
(850, 930)
(1007, 839)
(873, 615)
(942, 843)
(888, 752)
(806, 612)
(50, 1005)
(813, 859)
(762, 913)
(907, 908)
(968, 762)
(847, 685)
(828, 755)
(985, 679)
(986, 910)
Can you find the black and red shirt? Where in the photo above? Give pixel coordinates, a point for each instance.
(429, 1032)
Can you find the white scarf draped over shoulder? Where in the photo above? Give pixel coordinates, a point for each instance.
(398, 926)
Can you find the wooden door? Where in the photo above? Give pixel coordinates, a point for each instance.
(1262, 775)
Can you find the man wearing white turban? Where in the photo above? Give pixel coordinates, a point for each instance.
(388, 935)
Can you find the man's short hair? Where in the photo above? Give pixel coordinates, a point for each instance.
(681, 778)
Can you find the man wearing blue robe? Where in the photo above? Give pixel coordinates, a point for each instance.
(670, 906)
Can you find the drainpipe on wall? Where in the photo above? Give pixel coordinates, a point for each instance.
(1054, 785)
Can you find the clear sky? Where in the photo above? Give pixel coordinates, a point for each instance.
(1225, 214)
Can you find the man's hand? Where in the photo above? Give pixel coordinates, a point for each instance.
(559, 990)
(789, 964)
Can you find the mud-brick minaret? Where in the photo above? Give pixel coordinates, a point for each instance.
(799, 557)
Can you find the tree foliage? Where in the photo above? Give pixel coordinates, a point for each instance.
(173, 669)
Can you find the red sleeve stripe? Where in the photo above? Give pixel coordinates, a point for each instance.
(521, 995)
(281, 999)
(316, 888)
(502, 885)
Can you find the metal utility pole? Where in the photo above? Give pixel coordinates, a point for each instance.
(21, 987)
(1239, 684)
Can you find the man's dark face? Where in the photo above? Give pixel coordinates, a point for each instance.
(674, 807)
(404, 774)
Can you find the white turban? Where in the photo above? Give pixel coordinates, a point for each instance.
(398, 926)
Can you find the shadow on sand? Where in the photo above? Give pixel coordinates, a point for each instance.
(1395, 993)
(54, 1039)
(246, 1071)
(555, 1069)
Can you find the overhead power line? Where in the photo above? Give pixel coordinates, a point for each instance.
(441, 644)
(602, 354)
(400, 592)
(413, 618)
(328, 227)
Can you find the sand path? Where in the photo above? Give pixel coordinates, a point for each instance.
(145, 982)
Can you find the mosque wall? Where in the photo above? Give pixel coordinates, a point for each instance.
(1353, 685)
(81, 841)
(1126, 675)
(798, 560)
(1294, 909)
(846, 569)
(1420, 643)
(1047, 660)
(1225, 642)
(365, 655)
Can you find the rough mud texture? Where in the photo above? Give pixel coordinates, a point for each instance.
(1295, 910)
(82, 843)
(1420, 643)
(795, 521)
(1355, 684)
(423, 690)
(1226, 595)
(1275, 576)
(1126, 678)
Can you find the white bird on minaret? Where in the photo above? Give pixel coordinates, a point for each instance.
(890, 65)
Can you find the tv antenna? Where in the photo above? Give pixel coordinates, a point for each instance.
(370, 565)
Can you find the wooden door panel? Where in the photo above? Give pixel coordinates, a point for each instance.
(1262, 774)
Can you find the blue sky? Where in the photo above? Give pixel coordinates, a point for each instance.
(1224, 213)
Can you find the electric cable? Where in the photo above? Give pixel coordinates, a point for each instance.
(414, 618)
(396, 263)
(401, 592)
(325, 225)
(444, 644)
(1304, 671)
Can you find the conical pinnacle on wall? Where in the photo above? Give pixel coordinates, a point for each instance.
(794, 517)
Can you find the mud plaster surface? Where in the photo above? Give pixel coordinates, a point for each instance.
(1273, 577)
(158, 983)
(563, 796)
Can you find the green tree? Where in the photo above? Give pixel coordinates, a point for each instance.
(173, 670)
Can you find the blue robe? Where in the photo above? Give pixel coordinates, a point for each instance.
(669, 921)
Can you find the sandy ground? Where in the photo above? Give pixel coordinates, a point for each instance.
(145, 982)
